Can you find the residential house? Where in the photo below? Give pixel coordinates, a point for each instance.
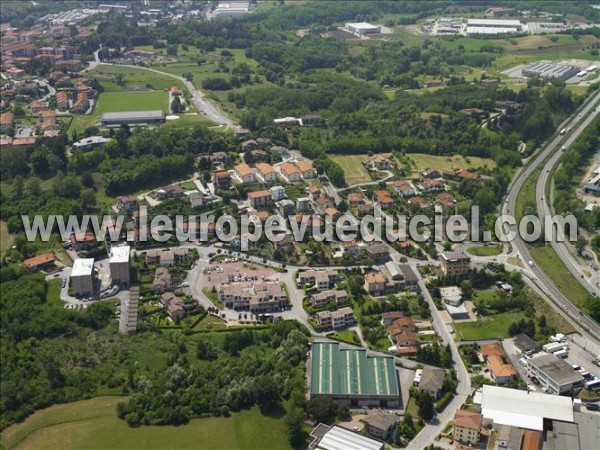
(258, 297)
(356, 198)
(84, 240)
(306, 168)
(381, 162)
(455, 263)
(290, 173)
(431, 174)
(378, 252)
(375, 283)
(285, 207)
(501, 372)
(260, 199)
(446, 200)
(314, 193)
(380, 424)
(322, 203)
(173, 305)
(404, 188)
(171, 191)
(266, 172)
(222, 179)
(323, 279)
(277, 192)
(162, 280)
(389, 317)
(39, 262)
(336, 320)
(257, 155)
(405, 338)
(311, 119)
(383, 198)
(432, 381)
(250, 144)
(127, 204)
(196, 199)
(6, 121)
(244, 173)
(320, 299)
(333, 213)
(302, 204)
(467, 426)
(286, 244)
(419, 202)
(429, 186)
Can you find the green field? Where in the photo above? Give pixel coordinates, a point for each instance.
(420, 162)
(132, 101)
(551, 264)
(354, 170)
(94, 425)
(132, 77)
(488, 327)
(6, 239)
(53, 293)
(484, 251)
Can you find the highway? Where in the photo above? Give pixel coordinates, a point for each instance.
(561, 248)
(587, 113)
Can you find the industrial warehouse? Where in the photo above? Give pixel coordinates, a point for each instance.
(132, 118)
(547, 70)
(352, 377)
(362, 28)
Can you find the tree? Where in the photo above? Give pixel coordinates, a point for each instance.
(172, 50)
(294, 422)
(321, 408)
(425, 404)
(581, 243)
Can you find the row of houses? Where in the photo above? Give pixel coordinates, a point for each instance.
(288, 172)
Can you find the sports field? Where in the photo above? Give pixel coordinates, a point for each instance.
(421, 162)
(132, 101)
(354, 170)
(94, 425)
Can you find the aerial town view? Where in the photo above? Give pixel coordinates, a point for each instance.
(299, 224)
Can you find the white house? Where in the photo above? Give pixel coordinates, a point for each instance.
(277, 192)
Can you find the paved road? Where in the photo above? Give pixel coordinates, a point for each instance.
(520, 247)
(577, 269)
(428, 434)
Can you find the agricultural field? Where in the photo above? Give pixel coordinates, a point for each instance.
(354, 170)
(94, 425)
(419, 162)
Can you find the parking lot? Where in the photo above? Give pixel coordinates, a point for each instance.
(230, 270)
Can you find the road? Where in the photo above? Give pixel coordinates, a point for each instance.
(519, 246)
(202, 104)
(428, 434)
(562, 250)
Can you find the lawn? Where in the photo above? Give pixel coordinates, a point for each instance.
(132, 101)
(53, 292)
(420, 162)
(6, 239)
(348, 336)
(551, 264)
(488, 327)
(354, 170)
(93, 425)
(477, 250)
(132, 76)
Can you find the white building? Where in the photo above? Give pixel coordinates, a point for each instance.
(277, 192)
(231, 9)
(554, 374)
(82, 277)
(339, 438)
(119, 264)
(523, 409)
(362, 28)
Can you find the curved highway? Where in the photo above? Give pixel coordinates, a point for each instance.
(585, 115)
(544, 209)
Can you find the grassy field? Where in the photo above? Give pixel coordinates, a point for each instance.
(489, 327)
(138, 77)
(132, 101)
(53, 293)
(420, 162)
(6, 239)
(354, 170)
(484, 251)
(550, 263)
(93, 425)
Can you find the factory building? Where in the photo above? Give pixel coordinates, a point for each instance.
(363, 28)
(352, 377)
(554, 374)
(548, 70)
